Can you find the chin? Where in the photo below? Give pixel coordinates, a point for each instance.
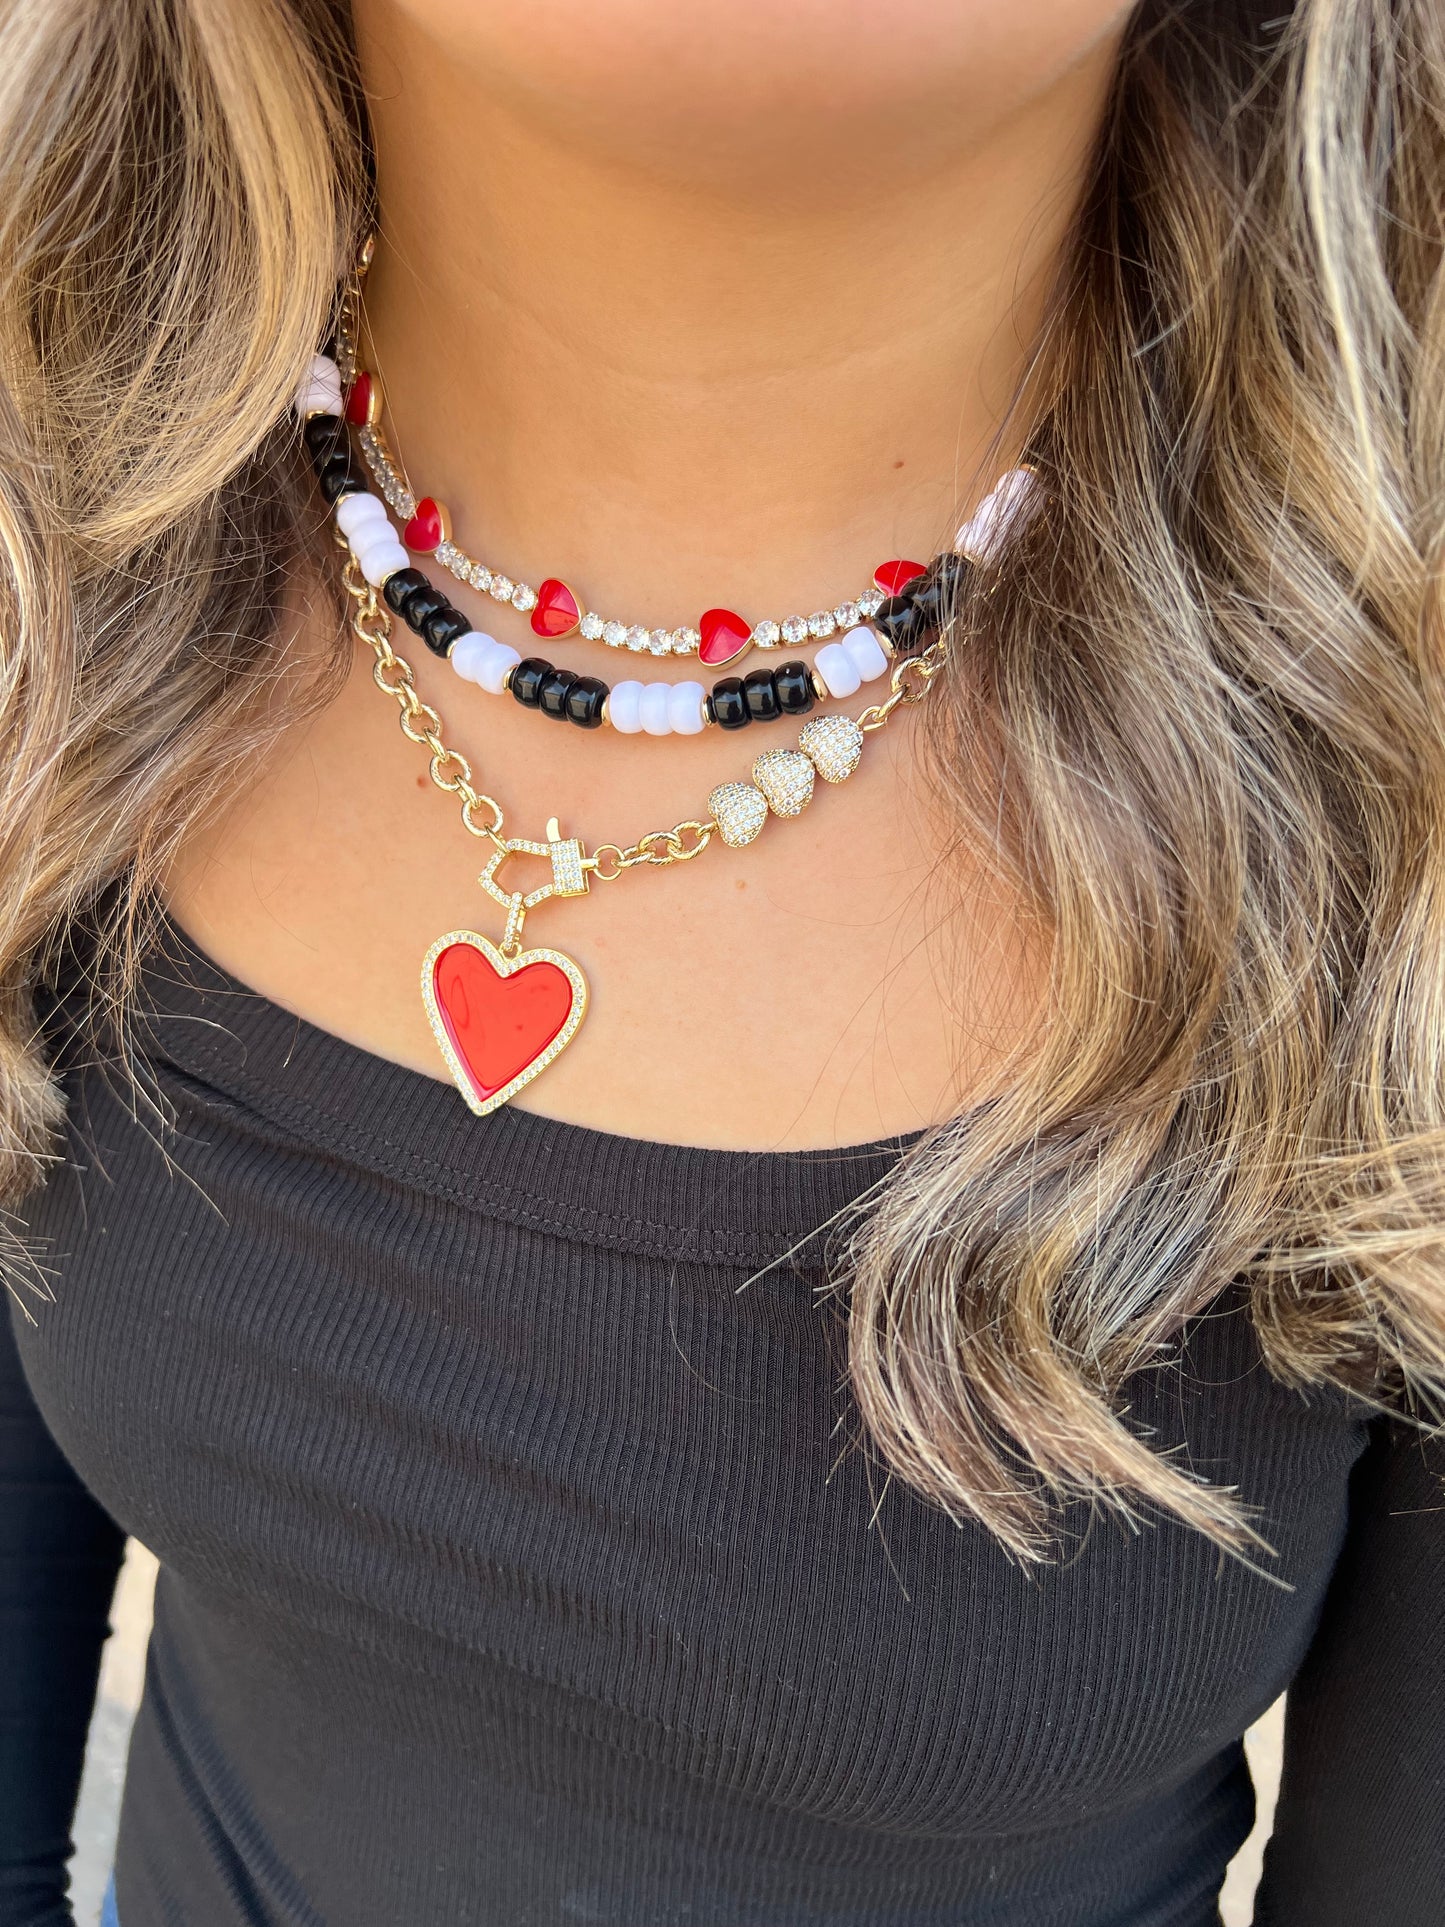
(735, 88)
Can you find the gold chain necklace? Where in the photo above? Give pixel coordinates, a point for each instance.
(501, 1013)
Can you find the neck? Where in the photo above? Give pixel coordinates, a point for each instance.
(686, 385)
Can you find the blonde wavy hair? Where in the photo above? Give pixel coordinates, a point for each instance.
(1212, 682)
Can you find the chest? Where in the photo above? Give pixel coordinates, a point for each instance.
(464, 1441)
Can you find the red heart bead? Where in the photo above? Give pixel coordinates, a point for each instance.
(725, 637)
(499, 1021)
(557, 612)
(363, 404)
(427, 529)
(893, 577)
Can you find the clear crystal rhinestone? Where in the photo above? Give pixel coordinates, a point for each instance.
(502, 587)
(614, 634)
(822, 624)
(448, 554)
(685, 642)
(638, 639)
(766, 634)
(524, 598)
(871, 603)
(795, 629)
(846, 615)
(591, 626)
(481, 577)
(660, 642)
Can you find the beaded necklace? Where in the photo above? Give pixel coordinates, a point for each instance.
(900, 624)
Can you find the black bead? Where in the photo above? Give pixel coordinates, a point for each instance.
(902, 624)
(323, 435)
(398, 587)
(933, 596)
(527, 680)
(441, 630)
(552, 695)
(794, 684)
(729, 704)
(584, 702)
(761, 695)
(340, 476)
(421, 605)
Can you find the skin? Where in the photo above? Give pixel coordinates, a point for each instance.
(715, 304)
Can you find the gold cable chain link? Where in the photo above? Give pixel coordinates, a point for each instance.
(450, 769)
(909, 683)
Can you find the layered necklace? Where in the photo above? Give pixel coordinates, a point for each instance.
(502, 1012)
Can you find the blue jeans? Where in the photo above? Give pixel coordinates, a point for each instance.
(107, 1913)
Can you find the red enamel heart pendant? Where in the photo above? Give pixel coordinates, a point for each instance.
(428, 528)
(725, 637)
(364, 403)
(500, 1021)
(894, 577)
(557, 612)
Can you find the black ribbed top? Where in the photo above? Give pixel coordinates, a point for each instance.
(522, 1562)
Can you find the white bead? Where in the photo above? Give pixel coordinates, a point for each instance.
(1006, 507)
(975, 539)
(316, 399)
(624, 707)
(357, 512)
(655, 708)
(469, 652)
(684, 708)
(865, 652)
(319, 390)
(501, 659)
(838, 670)
(377, 560)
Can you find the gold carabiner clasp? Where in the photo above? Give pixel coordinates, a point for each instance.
(571, 875)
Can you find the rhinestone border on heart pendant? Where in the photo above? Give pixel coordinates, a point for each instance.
(504, 967)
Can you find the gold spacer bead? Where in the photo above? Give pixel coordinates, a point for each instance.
(820, 688)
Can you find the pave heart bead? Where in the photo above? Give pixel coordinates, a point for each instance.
(833, 745)
(893, 577)
(724, 637)
(557, 612)
(739, 811)
(428, 528)
(364, 403)
(785, 777)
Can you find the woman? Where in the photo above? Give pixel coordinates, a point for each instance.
(856, 1435)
